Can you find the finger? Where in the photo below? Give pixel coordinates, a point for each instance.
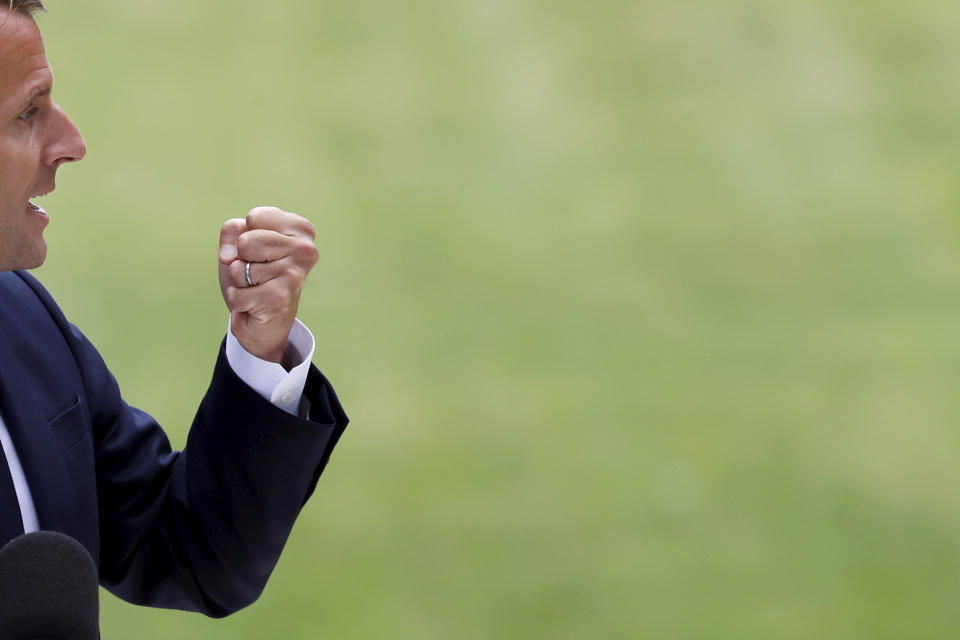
(263, 272)
(263, 302)
(229, 235)
(260, 245)
(285, 222)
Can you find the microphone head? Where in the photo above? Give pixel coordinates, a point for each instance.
(48, 589)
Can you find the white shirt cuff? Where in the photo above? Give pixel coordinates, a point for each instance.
(277, 385)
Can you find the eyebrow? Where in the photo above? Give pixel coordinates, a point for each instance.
(42, 90)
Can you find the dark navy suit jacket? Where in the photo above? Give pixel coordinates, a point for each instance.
(199, 529)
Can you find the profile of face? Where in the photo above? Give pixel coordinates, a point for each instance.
(36, 137)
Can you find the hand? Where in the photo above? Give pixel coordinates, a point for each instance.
(280, 247)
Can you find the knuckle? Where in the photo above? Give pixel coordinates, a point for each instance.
(294, 275)
(306, 251)
(231, 227)
(244, 242)
(258, 214)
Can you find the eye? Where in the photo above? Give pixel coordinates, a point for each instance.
(29, 113)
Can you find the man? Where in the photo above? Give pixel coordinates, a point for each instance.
(199, 529)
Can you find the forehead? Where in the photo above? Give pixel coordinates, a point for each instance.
(23, 61)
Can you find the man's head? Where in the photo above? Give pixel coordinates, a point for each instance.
(29, 7)
(36, 136)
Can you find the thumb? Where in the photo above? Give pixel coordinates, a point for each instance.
(229, 233)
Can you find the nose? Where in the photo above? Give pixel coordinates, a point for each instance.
(65, 142)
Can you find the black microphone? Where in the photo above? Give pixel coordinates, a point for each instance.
(48, 589)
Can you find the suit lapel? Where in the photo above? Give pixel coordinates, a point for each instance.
(37, 448)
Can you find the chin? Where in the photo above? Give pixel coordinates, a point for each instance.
(29, 259)
(38, 256)
(34, 265)
(22, 251)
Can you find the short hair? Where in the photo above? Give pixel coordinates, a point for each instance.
(27, 7)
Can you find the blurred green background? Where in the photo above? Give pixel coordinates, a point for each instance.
(644, 313)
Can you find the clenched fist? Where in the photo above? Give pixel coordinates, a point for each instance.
(279, 247)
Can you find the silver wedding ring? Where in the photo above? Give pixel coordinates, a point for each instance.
(246, 274)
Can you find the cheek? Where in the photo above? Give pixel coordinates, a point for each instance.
(19, 160)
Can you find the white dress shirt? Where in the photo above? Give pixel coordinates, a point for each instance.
(277, 385)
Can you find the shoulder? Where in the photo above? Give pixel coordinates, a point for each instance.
(29, 312)
(21, 287)
(22, 284)
(22, 294)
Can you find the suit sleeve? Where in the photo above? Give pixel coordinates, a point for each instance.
(202, 529)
